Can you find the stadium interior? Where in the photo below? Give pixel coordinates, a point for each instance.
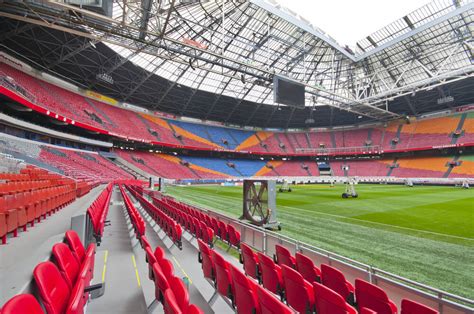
(216, 156)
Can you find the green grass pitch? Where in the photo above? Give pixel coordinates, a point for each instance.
(422, 233)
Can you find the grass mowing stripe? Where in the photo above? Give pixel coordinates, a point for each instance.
(416, 255)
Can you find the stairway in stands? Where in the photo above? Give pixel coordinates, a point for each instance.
(149, 127)
(390, 169)
(260, 140)
(399, 130)
(135, 174)
(174, 132)
(450, 168)
(454, 139)
(306, 135)
(306, 169)
(280, 143)
(333, 139)
(99, 110)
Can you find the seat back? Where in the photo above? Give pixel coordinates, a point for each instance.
(269, 304)
(67, 263)
(77, 299)
(271, 274)
(166, 267)
(206, 261)
(245, 292)
(161, 282)
(334, 280)
(250, 261)
(330, 302)
(150, 258)
(234, 235)
(372, 297)
(180, 292)
(22, 303)
(193, 309)
(306, 268)
(170, 305)
(284, 257)
(159, 253)
(412, 307)
(223, 278)
(52, 287)
(297, 295)
(76, 246)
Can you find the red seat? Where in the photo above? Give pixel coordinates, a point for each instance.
(194, 309)
(78, 250)
(170, 304)
(306, 268)
(180, 292)
(161, 282)
(412, 307)
(299, 293)
(206, 261)
(3, 227)
(223, 278)
(233, 236)
(335, 280)
(166, 267)
(270, 274)
(330, 302)
(374, 298)
(245, 290)
(284, 257)
(222, 231)
(55, 293)
(150, 259)
(68, 266)
(159, 253)
(249, 260)
(22, 303)
(144, 242)
(269, 304)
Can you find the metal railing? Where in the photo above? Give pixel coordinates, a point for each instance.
(397, 287)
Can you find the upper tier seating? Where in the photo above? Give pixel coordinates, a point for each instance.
(129, 124)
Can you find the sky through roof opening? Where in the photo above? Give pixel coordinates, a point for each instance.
(349, 21)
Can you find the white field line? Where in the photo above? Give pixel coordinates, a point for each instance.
(345, 217)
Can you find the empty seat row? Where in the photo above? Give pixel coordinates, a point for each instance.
(167, 223)
(198, 222)
(136, 219)
(170, 290)
(97, 212)
(62, 284)
(19, 209)
(235, 287)
(307, 288)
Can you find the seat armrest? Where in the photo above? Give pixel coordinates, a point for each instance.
(94, 287)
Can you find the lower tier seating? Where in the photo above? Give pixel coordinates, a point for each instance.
(62, 284)
(31, 195)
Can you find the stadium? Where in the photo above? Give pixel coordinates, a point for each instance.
(215, 156)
